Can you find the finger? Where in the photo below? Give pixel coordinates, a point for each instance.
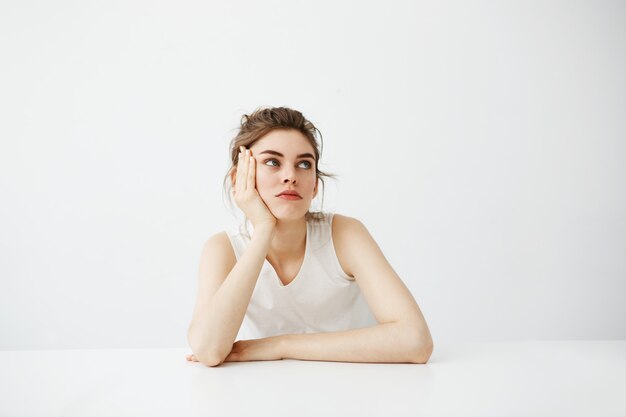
(245, 169)
(252, 173)
(239, 176)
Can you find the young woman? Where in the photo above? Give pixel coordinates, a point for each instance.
(310, 286)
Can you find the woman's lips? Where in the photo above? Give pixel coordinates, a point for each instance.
(289, 197)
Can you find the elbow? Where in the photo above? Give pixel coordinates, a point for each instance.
(421, 346)
(208, 357)
(422, 352)
(422, 343)
(210, 360)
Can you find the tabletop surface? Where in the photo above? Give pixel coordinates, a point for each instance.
(547, 378)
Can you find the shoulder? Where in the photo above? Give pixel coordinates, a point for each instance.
(219, 247)
(218, 240)
(342, 223)
(347, 232)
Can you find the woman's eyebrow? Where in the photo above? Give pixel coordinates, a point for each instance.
(302, 155)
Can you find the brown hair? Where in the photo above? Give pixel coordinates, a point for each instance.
(260, 122)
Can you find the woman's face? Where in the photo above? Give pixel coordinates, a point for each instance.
(285, 160)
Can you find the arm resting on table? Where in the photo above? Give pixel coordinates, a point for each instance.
(385, 342)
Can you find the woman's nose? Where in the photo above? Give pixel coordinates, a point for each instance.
(289, 176)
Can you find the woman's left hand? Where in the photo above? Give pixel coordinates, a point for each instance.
(265, 349)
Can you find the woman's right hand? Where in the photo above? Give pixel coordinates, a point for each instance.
(245, 193)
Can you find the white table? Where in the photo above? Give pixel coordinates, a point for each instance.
(560, 378)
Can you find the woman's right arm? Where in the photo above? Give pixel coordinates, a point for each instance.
(223, 296)
(224, 290)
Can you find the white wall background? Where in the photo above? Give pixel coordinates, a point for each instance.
(482, 143)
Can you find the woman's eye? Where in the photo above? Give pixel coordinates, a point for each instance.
(307, 163)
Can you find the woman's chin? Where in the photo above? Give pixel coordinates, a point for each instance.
(288, 213)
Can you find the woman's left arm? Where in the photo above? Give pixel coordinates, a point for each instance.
(402, 334)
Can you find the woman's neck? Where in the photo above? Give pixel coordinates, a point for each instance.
(289, 241)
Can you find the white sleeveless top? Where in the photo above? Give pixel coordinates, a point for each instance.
(321, 298)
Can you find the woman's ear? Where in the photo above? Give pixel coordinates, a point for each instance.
(317, 182)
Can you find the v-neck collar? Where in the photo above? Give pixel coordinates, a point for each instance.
(307, 245)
